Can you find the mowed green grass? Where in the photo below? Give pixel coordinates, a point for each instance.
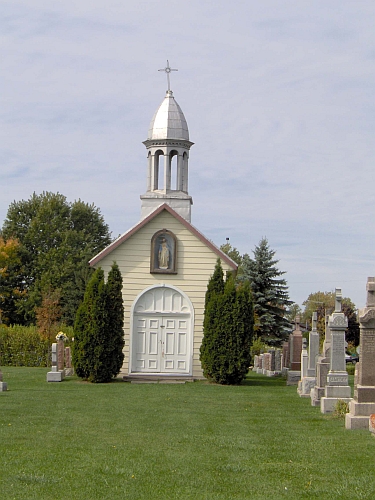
(75, 440)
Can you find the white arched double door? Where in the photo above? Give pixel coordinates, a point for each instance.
(162, 331)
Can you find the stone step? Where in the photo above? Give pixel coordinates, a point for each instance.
(156, 379)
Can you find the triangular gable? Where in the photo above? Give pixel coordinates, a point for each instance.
(147, 219)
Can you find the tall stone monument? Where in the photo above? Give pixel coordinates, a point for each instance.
(313, 346)
(295, 350)
(363, 404)
(322, 368)
(337, 386)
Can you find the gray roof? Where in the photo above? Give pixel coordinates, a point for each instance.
(168, 122)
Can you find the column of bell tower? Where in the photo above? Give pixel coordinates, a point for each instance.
(168, 136)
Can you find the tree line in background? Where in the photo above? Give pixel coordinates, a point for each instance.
(45, 246)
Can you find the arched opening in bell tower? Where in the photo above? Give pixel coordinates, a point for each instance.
(175, 178)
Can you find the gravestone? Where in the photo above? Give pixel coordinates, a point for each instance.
(295, 350)
(285, 356)
(3, 385)
(55, 375)
(69, 370)
(260, 363)
(363, 403)
(60, 355)
(278, 359)
(322, 368)
(313, 346)
(266, 362)
(255, 364)
(308, 360)
(270, 367)
(337, 386)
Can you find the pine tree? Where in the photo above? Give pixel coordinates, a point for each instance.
(269, 291)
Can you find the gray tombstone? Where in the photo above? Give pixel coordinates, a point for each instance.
(55, 375)
(337, 386)
(308, 379)
(313, 346)
(3, 385)
(363, 403)
(278, 364)
(322, 368)
(295, 350)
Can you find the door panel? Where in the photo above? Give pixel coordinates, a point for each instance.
(161, 344)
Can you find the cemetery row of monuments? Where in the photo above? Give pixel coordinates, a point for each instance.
(322, 376)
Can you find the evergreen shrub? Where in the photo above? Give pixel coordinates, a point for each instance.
(97, 349)
(228, 328)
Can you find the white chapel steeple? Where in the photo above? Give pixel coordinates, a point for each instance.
(168, 148)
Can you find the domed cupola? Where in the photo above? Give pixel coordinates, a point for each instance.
(168, 138)
(168, 121)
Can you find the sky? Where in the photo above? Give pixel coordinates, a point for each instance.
(279, 100)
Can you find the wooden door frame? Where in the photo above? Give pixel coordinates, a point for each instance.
(162, 313)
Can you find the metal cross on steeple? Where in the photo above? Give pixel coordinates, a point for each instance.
(168, 69)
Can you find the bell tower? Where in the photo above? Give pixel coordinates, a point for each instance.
(168, 148)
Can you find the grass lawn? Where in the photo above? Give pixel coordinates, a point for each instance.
(74, 440)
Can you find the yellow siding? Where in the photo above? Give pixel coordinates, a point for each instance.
(195, 265)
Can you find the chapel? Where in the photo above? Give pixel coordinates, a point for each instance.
(164, 260)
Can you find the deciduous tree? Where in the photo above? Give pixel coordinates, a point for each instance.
(57, 239)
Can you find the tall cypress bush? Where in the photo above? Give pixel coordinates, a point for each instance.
(215, 288)
(97, 351)
(228, 328)
(115, 322)
(89, 329)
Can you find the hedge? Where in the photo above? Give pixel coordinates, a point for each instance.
(24, 346)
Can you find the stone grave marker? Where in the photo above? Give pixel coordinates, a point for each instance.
(68, 362)
(337, 386)
(308, 380)
(55, 375)
(313, 346)
(363, 403)
(285, 356)
(3, 385)
(322, 368)
(278, 357)
(295, 350)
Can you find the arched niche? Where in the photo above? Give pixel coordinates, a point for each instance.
(163, 259)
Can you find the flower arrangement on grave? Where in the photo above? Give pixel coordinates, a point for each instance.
(61, 336)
